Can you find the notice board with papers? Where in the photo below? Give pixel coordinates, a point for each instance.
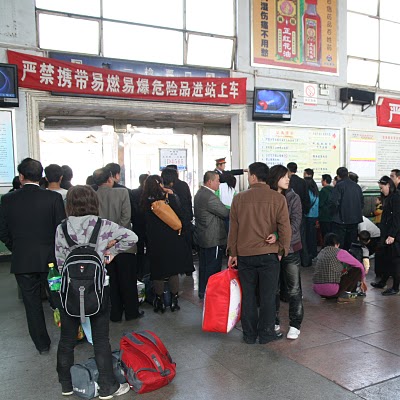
(309, 147)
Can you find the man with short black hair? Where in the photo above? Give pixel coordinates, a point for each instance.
(347, 203)
(28, 221)
(256, 215)
(209, 214)
(53, 173)
(300, 187)
(395, 177)
(308, 173)
(324, 212)
(114, 205)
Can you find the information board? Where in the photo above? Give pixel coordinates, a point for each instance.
(173, 156)
(309, 147)
(7, 163)
(372, 154)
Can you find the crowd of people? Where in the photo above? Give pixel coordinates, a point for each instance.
(268, 232)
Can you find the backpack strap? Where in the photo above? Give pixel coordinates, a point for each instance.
(95, 233)
(70, 242)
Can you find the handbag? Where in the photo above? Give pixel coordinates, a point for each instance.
(163, 210)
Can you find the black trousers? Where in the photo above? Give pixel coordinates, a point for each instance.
(311, 237)
(290, 279)
(101, 344)
(123, 287)
(305, 257)
(264, 270)
(347, 234)
(30, 289)
(210, 262)
(326, 227)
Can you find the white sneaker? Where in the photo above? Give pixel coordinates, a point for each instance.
(123, 388)
(277, 328)
(293, 333)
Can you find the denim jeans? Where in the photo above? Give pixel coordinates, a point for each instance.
(264, 270)
(101, 345)
(210, 262)
(291, 280)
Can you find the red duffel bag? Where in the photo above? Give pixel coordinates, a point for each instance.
(222, 301)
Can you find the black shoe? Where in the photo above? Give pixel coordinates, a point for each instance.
(248, 340)
(277, 336)
(139, 315)
(174, 302)
(378, 285)
(158, 304)
(45, 351)
(390, 292)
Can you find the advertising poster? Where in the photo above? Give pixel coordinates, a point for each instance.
(308, 147)
(176, 157)
(296, 34)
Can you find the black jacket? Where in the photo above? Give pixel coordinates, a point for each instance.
(300, 187)
(28, 221)
(222, 175)
(347, 202)
(181, 188)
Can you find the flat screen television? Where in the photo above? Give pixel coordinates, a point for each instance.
(8, 85)
(272, 104)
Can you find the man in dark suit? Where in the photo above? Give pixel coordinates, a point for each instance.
(28, 222)
(300, 187)
(220, 170)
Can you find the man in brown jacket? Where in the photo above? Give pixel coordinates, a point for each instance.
(258, 214)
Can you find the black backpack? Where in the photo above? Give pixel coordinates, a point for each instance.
(82, 277)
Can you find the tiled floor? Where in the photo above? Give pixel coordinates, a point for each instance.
(345, 351)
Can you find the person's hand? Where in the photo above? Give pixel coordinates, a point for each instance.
(245, 170)
(108, 257)
(271, 239)
(279, 257)
(232, 262)
(167, 190)
(364, 286)
(389, 240)
(111, 243)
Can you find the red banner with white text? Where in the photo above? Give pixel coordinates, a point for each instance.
(388, 112)
(52, 75)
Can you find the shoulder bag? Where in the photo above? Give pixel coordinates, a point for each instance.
(163, 210)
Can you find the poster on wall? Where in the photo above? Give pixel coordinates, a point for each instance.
(309, 147)
(372, 154)
(296, 34)
(176, 157)
(7, 163)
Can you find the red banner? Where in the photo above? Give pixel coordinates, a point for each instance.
(388, 112)
(52, 75)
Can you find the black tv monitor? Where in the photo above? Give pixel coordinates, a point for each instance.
(272, 104)
(8, 85)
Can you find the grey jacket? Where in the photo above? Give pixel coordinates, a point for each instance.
(209, 213)
(114, 205)
(295, 216)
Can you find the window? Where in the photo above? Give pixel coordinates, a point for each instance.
(373, 56)
(182, 32)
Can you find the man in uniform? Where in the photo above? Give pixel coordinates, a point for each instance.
(220, 164)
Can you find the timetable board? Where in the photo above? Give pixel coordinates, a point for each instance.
(309, 147)
(372, 154)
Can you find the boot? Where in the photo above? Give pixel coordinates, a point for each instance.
(174, 302)
(158, 304)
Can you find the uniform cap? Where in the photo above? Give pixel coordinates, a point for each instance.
(220, 160)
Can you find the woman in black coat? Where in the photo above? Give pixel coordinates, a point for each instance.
(167, 249)
(390, 236)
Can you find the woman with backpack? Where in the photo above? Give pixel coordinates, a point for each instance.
(82, 210)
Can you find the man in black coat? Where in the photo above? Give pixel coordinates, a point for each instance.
(347, 204)
(300, 187)
(28, 222)
(220, 164)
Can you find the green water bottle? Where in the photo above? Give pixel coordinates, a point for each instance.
(54, 278)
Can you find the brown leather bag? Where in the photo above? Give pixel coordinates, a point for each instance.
(163, 210)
